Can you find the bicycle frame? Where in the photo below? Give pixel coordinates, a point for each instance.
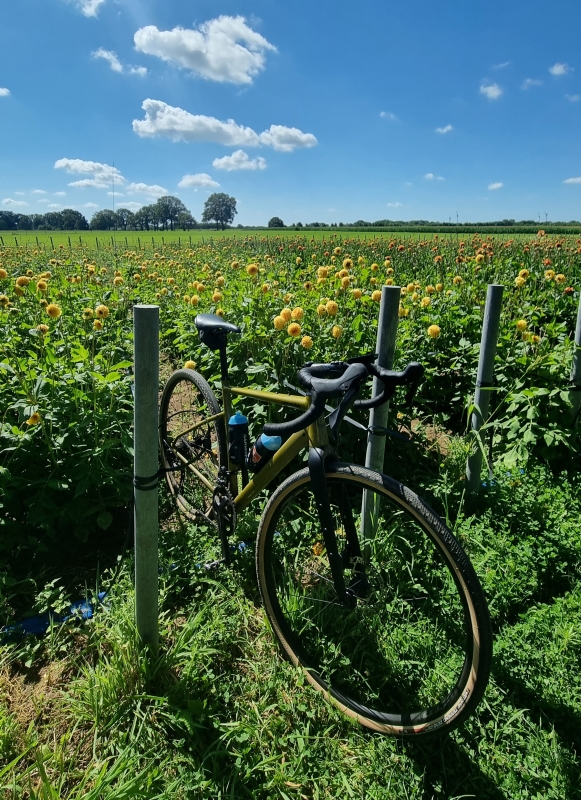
(314, 436)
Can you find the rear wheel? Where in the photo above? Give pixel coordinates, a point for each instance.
(192, 442)
(412, 653)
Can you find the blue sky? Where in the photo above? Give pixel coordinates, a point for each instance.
(309, 111)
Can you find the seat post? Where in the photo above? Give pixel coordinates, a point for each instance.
(223, 360)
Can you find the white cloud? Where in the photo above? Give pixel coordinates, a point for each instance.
(408, 183)
(102, 175)
(162, 119)
(89, 7)
(573, 180)
(199, 180)
(494, 186)
(286, 139)
(21, 193)
(445, 129)
(388, 115)
(573, 98)
(91, 205)
(429, 176)
(132, 205)
(60, 194)
(43, 200)
(239, 160)
(39, 191)
(4, 92)
(54, 206)
(143, 188)
(560, 69)
(393, 205)
(115, 194)
(110, 57)
(530, 82)
(492, 90)
(115, 64)
(213, 51)
(8, 201)
(503, 65)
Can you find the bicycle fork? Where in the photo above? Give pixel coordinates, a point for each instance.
(337, 561)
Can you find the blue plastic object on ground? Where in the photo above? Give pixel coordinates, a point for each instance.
(38, 626)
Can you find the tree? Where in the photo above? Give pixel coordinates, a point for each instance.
(73, 220)
(275, 222)
(103, 220)
(8, 220)
(123, 218)
(221, 208)
(53, 221)
(169, 208)
(185, 221)
(143, 218)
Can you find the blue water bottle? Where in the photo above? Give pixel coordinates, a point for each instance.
(238, 438)
(262, 451)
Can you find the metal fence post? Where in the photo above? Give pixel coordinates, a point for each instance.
(385, 347)
(575, 392)
(146, 353)
(490, 330)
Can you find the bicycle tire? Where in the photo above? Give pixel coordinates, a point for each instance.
(187, 400)
(413, 656)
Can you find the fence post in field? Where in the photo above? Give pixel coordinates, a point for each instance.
(145, 480)
(490, 329)
(575, 389)
(385, 347)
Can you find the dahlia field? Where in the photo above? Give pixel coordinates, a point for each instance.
(84, 713)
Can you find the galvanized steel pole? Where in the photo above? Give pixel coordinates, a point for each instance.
(146, 367)
(490, 329)
(575, 393)
(385, 347)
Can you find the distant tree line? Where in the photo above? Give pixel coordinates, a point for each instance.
(167, 213)
(66, 220)
(424, 223)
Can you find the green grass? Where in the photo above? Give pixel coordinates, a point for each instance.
(146, 239)
(220, 715)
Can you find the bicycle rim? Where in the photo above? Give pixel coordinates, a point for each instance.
(192, 442)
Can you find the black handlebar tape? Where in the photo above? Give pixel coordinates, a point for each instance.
(310, 371)
(411, 375)
(294, 425)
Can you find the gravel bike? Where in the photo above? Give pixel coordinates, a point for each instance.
(365, 588)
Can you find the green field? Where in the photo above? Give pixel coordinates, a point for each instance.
(145, 240)
(85, 712)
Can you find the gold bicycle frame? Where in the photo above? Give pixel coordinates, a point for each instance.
(313, 436)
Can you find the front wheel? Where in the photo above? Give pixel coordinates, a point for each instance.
(411, 654)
